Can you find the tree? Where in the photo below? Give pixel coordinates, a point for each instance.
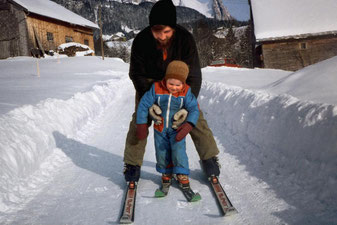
(246, 51)
(230, 41)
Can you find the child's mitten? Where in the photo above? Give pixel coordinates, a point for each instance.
(155, 113)
(179, 117)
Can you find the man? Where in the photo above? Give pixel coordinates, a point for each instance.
(152, 50)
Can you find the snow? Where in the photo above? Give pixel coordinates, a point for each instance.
(53, 10)
(275, 19)
(62, 137)
(202, 6)
(120, 44)
(78, 53)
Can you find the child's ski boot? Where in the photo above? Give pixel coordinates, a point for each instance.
(184, 185)
(165, 187)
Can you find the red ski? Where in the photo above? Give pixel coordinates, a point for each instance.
(128, 212)
(222, 199)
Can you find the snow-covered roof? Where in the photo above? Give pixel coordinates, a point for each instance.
(53, 10)
(280, 19)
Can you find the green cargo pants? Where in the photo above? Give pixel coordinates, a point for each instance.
(201, 135)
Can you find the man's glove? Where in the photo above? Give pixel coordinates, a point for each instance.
(179, 117)
(183, 130)
(155, 113)
(142, 131)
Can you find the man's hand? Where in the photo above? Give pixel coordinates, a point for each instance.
(179, 118)
(142, 131)
(183, 130)
(155, 113)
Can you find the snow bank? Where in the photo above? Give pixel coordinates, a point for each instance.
(294, 138)
(317, 82)
(26, 134)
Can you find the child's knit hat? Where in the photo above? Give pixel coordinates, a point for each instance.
(177, 70)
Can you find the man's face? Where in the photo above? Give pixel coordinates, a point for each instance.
(163, 36)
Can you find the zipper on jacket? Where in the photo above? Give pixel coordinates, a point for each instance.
(168, 111)
(181, 102)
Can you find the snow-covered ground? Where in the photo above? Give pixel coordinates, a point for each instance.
(62, 138)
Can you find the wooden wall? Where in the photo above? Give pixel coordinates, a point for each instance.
(13, 31)
(59, 30)
(295, 54)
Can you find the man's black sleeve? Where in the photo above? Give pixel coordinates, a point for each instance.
(191, 57)
(137, 70)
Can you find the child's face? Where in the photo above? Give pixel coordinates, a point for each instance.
(174, 85)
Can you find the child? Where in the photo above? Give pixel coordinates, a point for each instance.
(171, 94)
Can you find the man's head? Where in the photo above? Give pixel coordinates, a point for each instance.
(163, 20)
(163, 12)
(176, 75)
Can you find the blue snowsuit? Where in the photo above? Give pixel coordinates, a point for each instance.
(171, 155)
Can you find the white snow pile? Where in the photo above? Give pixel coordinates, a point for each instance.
(275, 19)
(316, 83)
(279, 129)
(120, 44)
(26, 134)
(26, 139)
(87, 50)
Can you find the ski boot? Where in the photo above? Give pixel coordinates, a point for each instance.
(165, 185)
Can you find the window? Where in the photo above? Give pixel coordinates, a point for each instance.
(50, 36)
(86, 42)
(303, 45)
(69, 39)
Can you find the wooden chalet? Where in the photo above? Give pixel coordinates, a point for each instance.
(27, 25)
(291, 34)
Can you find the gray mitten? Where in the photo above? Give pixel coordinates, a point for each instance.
(155, 113)
(179, 118)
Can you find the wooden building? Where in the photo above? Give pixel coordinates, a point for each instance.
(291, 34)
(26, 25)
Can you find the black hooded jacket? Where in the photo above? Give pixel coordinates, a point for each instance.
(147, 65)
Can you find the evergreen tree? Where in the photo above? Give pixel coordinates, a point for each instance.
(246, 51)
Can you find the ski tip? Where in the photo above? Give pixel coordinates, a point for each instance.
(196, 198)
(230, 211)
(159, 193)
(125, 221)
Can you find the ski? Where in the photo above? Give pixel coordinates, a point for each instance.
(163, 190)
(165, 187)
(190, 195)
(160, 192)
(128, 211)
(223, 201)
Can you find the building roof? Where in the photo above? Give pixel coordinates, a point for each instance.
(53, 10)
(283, 19)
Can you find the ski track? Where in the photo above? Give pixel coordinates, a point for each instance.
(87, 188)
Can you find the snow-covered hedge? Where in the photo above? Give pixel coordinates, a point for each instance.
(292, 137)
(26, 135)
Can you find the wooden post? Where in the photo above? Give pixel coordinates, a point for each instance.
(38, 41)
(58, 57)
(38, 67)
(100, 26)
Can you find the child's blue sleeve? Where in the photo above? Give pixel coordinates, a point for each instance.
(191, 105)
(143, 107)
